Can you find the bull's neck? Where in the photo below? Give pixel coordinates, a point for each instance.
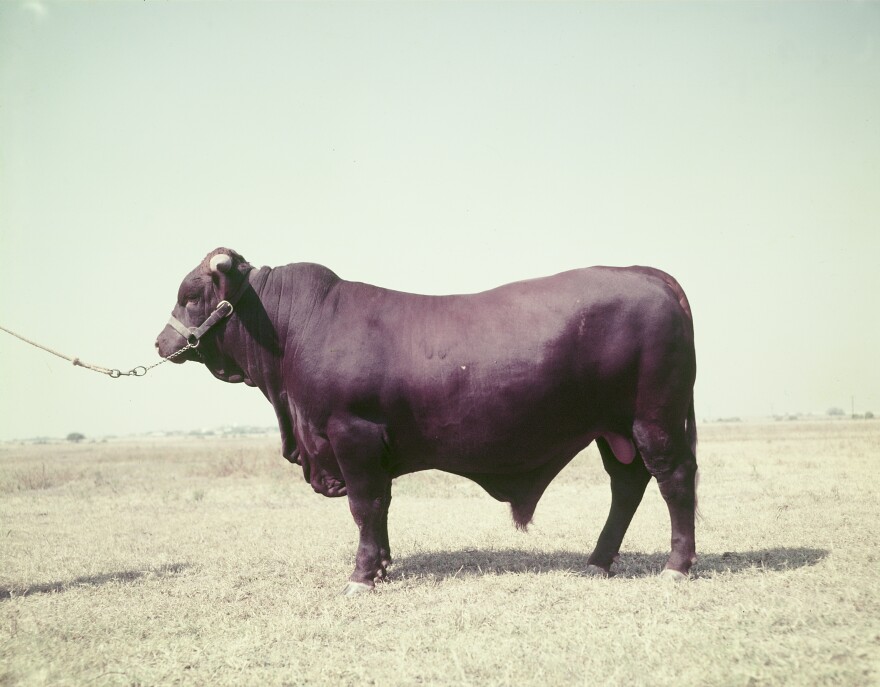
(271, 321)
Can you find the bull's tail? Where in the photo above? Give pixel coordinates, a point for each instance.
(691, 428)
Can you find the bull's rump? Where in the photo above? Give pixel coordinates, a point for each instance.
(503, 380)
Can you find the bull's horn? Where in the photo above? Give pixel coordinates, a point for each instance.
(221, 263)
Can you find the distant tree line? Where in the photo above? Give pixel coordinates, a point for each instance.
(834, 411)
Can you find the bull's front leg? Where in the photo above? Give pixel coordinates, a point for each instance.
(370, 512)
(360, 448)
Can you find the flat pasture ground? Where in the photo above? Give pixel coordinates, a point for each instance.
(211, 562)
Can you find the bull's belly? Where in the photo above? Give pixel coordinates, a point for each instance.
(505, 455)
(511, 430)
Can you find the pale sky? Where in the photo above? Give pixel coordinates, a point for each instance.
(436, 148)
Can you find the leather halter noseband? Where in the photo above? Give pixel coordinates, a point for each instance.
(224, 309)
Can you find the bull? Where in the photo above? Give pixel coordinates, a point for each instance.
(502, 387)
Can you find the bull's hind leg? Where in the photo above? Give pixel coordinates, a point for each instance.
(669, 459)
(628, 484)
(384, 544)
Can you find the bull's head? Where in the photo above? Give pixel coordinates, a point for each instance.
(197, 317)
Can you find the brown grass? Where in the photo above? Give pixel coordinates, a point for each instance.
(212, 563)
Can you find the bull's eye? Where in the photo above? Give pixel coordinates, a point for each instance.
(185, 299)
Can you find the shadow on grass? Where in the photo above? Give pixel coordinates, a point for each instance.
(475, 562)
(91, 581)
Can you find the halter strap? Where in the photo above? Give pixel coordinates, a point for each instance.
(224, 309)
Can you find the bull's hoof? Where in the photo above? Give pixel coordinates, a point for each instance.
(596, 571)
(670, 575)
(355, 588)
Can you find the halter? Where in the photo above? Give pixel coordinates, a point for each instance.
(224, 309)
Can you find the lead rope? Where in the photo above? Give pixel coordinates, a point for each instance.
(114, 373)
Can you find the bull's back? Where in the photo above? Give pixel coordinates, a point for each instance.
(540, 323)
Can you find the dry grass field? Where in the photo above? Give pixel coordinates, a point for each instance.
(211, 562)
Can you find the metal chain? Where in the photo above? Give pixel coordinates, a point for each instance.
(113, 373)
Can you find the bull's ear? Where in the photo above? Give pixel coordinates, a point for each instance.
(221, 263)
